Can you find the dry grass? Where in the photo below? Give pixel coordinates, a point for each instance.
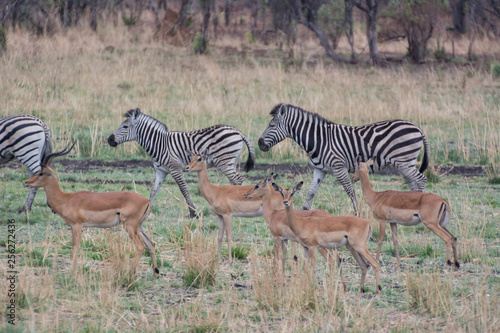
(81, 91)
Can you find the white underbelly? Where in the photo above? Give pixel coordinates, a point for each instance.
(334, 245)
(416, 220)
(113, 223)
(249, 214)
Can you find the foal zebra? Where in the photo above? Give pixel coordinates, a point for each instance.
(26, 138)
(333, 148)
(172, 151)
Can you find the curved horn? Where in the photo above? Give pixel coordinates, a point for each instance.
(49, 157)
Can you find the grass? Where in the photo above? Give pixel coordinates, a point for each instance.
(82, 93)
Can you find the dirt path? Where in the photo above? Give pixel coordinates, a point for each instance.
(293, 168)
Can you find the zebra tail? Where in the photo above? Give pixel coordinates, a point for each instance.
(251, 154)
(425, 161)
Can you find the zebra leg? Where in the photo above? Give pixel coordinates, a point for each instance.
(318, 176)
(343, 176)
(29, 200)
(160, 177)
(414, 178)
(178, 176)
(229, 170)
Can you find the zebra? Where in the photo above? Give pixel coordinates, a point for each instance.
(172, 151)
(333, 148)
(26, 138)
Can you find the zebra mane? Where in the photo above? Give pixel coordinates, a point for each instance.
(128, 114)
(305, 113)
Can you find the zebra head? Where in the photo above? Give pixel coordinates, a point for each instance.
(127, 130)
(276, 131)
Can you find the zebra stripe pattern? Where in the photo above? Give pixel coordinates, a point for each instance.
(333, 148)
(26, 138)
(172, 151)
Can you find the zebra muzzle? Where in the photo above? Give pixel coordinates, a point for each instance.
(111, 141)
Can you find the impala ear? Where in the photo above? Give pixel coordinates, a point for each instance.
(277, 188)
(370, 161)
(297, 187)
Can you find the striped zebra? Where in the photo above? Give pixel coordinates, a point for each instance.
(26, 138)
(172, 151)
(333, 148)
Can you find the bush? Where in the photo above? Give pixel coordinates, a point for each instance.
(199, 44)
(495, 69)
(3, 40)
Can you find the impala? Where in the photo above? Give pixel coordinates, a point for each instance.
(406, 208)
(331, 232)
(227, 200)
(276, 219)
(96, 210)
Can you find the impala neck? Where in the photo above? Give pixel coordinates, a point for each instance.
(366, 187)
(267, 205)
(206, 188)
(56, 198)
(291, 218)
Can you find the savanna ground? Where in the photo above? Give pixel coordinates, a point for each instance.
(81, 89)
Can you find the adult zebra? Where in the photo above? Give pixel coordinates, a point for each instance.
(333, 148)
(26, 138)
(172, 151)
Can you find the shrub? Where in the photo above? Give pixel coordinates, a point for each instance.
(495, 69)
(3, 40)
(199, 44)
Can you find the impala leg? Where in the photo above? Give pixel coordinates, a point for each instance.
(139, 244)
(454, 246)
(220, 235)
(362, 264)
(445, 236)
(151, 249)
(277, 245)
(362, 250)
(294, 251)
(394, 234)
(227, 223)
(328, 256)
(312, 254)
(318, 176)
(283, 255)
(381, 232)
(76, 231)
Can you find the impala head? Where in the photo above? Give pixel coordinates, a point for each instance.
(275, 131)
(197, 161)
(259, 190)
(46, 174)
(286, 193)
(127, 130)
(361, 167)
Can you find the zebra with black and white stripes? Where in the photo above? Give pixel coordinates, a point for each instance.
(333, 148)
(26, 138)
(172, 151)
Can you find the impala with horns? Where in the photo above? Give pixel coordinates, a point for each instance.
(331, 232)
(98, 210)
(276, 220)
(406, 208)
(227, 200)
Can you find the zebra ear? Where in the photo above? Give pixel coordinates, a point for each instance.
(282, 109)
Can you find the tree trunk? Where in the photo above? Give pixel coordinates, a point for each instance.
(182, 14)
(371, 29)
(206, 5)
(93, 15)
(459, 11)
(226, 12)
(348, 25)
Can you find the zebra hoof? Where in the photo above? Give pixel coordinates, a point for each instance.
(192, 214)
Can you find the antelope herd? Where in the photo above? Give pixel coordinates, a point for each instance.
(313, 229)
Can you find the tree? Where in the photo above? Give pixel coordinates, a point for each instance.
(371, 8)
(306, 13)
